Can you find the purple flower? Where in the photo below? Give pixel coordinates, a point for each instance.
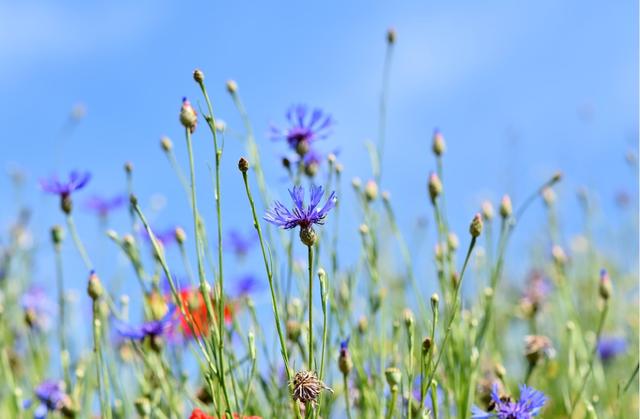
(103, 206)
(529, 405)
(239, 243)
(51, 396)
(344, 346)
(37, 304)
(245, 285)
(301, 216)
(537, 289)
(147, 329)
(305, 126)
(610, 347)
(77, 180)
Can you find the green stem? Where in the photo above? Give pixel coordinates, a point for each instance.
(274, 303)
(392, 402)
(310, 259)
(382, 127)
(592, 357)
(78, 243)
(346, 394)
(64, 351)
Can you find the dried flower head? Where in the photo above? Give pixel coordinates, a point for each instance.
(538, 347)
(307, 387)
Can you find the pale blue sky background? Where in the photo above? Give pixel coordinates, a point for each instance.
(519, 89)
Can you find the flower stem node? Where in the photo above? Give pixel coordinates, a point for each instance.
(243, 165)
(475, 229)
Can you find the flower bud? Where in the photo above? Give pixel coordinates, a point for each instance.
(94, 287)
(180, 235)
(293, 328)
(393, 376)
(143, 406)
(407, 314)
(57, 234)
(438, 145)
(128, 167)
(487, 210)
(166, 144)
(548, 196)
(371, 190)
(435, 186)
(66, 205)
(452, 241)
(198, 76)
(476, 226)
(188, 115)
(243, 165)
(557, 177)
(426, 345)
(435, 300)
(605, 289)
(558, 254)
(356, 183)
(308, 236)
(391, 36)
(232, 86)
(345, 364)
(339, 168)
(505, 207)
(364, 229)
(386, 196)
(363, 324)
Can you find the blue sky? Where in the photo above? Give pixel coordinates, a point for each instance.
(519, 90)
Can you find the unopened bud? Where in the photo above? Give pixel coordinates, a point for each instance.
(232, 86)
(188, 115)
(391, 36)
(452, 241)
(57, 234)
(356, 183)
(308, 236)
(476, 226)
(435, 186)
(426, 345)
(293, 330)
(407, 314)
(487, 210)
(364, 229)
(435, 300)
(94, 287)
(128, 167)
(548, 196)
(438, 145)
(393, 376)
(558, 254)
(386, 196)
(605, 289)
(166, 144)
(198, 76)
(505, 207)
(557, 177)
(371, 190)
(363, 325)
(243, 165)
(180, 235)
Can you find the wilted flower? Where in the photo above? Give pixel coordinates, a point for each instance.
(103, 206)
(301, 216)
(307, 387)
(537, 289)
(529, 405)
(610, 347)
(305, 127)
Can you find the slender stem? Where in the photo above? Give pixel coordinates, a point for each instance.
(346, 395)
(382, 123)
(64, 351)
(453, 313)
(310, 259)
(103, 389)
(204, 288)
(78, 243)
(392, 402)
(274, 303)
(633, 376)
(592, 357)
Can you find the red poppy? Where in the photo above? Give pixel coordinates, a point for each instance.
(199, 414)
(196, 309)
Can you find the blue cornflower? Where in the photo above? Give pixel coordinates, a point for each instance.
(305, 126)
(610, 347)
(300, 216)
(38, 307)
(103, 206)
(149, 329)
(530, 403)
(345, 364)
(52, 398)
(245, 285)
(239, 243)
(77, 180)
